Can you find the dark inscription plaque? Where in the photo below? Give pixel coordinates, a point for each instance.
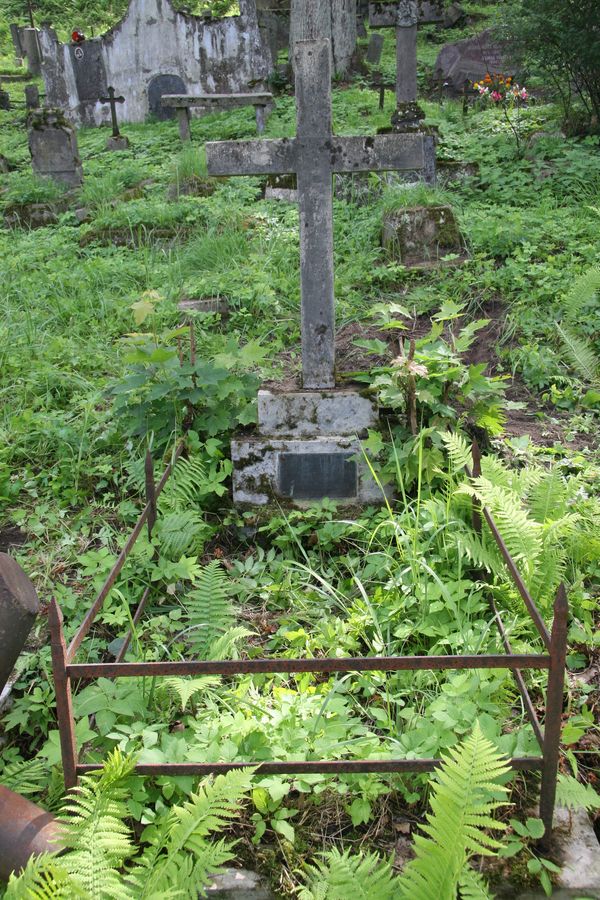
(313, 476)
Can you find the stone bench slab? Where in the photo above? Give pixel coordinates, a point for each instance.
(219, 101)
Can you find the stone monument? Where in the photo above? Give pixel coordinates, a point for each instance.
(53, 147)
(307, 446)
(404, 16)
(469, 60)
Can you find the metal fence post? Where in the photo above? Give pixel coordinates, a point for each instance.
(64, 703)
(554, 706)
(150, 491)
(476, 516)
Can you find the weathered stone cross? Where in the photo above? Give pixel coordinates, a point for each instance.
(403, 15)
(314, 155)
(113, 109)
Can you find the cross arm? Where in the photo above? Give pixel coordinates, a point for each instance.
(272, 157)
(381, 153)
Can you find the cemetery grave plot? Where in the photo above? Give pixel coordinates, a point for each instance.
(310, 583)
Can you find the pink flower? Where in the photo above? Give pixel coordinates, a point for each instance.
(496, 95)
(523, 95)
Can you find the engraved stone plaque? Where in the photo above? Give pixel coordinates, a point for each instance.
(313, 476)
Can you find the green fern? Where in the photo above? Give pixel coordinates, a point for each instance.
(547, 498)
(185, 689)
(580, 354)
(94, 828)
(575, 795)
(583, 291)
(184, 486)
(458, 450)
(209, 612)
(44, 878)
(178, 854)
(181, 532)
(25, 776)
(463, 799)
(339, 876)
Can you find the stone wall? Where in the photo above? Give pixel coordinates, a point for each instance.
(153, 50)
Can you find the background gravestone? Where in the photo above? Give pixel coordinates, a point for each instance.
(160, 85)
(469, 60)
(31, 47)
(374, 49)
(53, 147)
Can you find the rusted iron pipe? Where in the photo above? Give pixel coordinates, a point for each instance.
(25, 830)
(19, 607)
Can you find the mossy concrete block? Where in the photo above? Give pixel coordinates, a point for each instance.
(117, 143)
(296, 473)
(315, 413)
(420, 235)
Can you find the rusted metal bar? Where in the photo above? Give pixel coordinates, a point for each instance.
(554, 706)
(302, 767)
(518, 581)
(476, 515)
(119, 563)
(87, 671)
(529, 708)
(136, 618)
(64, 702)
(26, 830)
(150, 492)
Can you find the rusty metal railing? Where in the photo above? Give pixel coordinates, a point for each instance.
(66, 671)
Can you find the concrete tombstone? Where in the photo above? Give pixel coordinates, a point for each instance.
(469, 60)
(53, 147)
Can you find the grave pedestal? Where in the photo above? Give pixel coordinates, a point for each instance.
(308, 448)
(117, 142)
(53, 147)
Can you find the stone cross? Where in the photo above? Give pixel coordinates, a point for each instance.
(113, 109)
(403, 15)
(314, 155)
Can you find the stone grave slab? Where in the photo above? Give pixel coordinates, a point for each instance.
(469, 60)
(53, 147)
(313, 413)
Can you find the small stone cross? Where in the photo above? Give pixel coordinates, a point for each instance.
(113, 109)
(403, 15)
(314, 155)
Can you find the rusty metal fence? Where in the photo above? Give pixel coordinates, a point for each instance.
(66, 672)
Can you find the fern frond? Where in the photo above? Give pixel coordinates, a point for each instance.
(184, 486)
(581, 354)
(25, 776)
(44, 878)
(185, 689)
(472, 885)
(548, 497)
(208, 609)
(183, 833)
(226, 646)
(469, 544)
(575, 795)
(463, 798)
(340, 875)
(458, 450)
(583, 291)
(521, 534)
(93, 821)
(181, 532)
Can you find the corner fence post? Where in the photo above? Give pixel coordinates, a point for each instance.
(476, 515)
(64, 703)
(554, 707)
(150, 491)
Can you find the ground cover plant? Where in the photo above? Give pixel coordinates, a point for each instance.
(98, 364)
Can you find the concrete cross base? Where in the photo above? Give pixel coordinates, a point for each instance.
(296, 473)
(302, 414)
(118, 142)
